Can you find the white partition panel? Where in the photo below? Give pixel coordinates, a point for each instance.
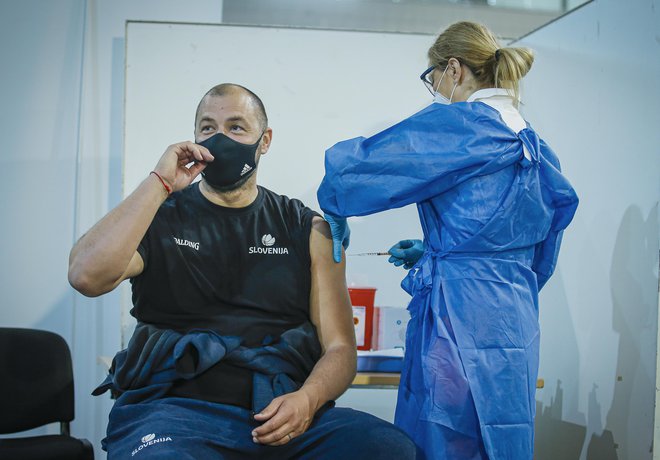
(318, 86)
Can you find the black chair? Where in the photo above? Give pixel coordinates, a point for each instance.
(36, 388)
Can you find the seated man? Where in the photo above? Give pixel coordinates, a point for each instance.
(245, 333)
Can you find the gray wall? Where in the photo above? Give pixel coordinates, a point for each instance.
(419, 16)
(61, 128)
(593, 94)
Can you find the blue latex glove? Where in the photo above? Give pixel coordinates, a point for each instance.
(341, 235)
(406, 253)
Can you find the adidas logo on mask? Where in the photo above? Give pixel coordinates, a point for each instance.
(246, 169)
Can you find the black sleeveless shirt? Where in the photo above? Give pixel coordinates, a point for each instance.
(238, 271)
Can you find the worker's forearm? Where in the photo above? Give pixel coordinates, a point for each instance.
(331, 376)
(102, 255)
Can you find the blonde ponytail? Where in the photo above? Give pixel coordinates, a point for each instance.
(476, 47)
(511, 65)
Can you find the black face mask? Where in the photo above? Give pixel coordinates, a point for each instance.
(233, 162)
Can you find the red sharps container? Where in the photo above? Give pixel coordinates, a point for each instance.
(362, 300)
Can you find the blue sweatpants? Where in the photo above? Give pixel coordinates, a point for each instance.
(182, 429)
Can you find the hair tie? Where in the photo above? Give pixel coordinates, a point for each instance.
(497, 54)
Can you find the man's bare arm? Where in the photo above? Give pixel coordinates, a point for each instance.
(332, 314)
(330, 308)
(107, 254)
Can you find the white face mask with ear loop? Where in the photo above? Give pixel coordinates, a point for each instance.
(439, 98)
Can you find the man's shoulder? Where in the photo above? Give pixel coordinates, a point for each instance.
(285, 202)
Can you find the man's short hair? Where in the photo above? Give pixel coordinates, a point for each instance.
(227, 88)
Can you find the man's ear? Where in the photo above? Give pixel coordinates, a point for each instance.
(265, 141)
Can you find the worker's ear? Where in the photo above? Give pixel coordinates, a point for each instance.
(266, 139)
(455, 70)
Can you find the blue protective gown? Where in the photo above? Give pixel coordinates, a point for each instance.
(492, 204)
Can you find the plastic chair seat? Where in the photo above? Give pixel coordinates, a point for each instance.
(50, 447)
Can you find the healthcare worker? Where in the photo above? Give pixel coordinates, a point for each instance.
(493, 205)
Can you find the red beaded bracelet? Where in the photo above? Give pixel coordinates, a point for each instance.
(168, 189)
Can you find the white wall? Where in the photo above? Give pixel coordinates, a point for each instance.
(61, 128)
(593, 94)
